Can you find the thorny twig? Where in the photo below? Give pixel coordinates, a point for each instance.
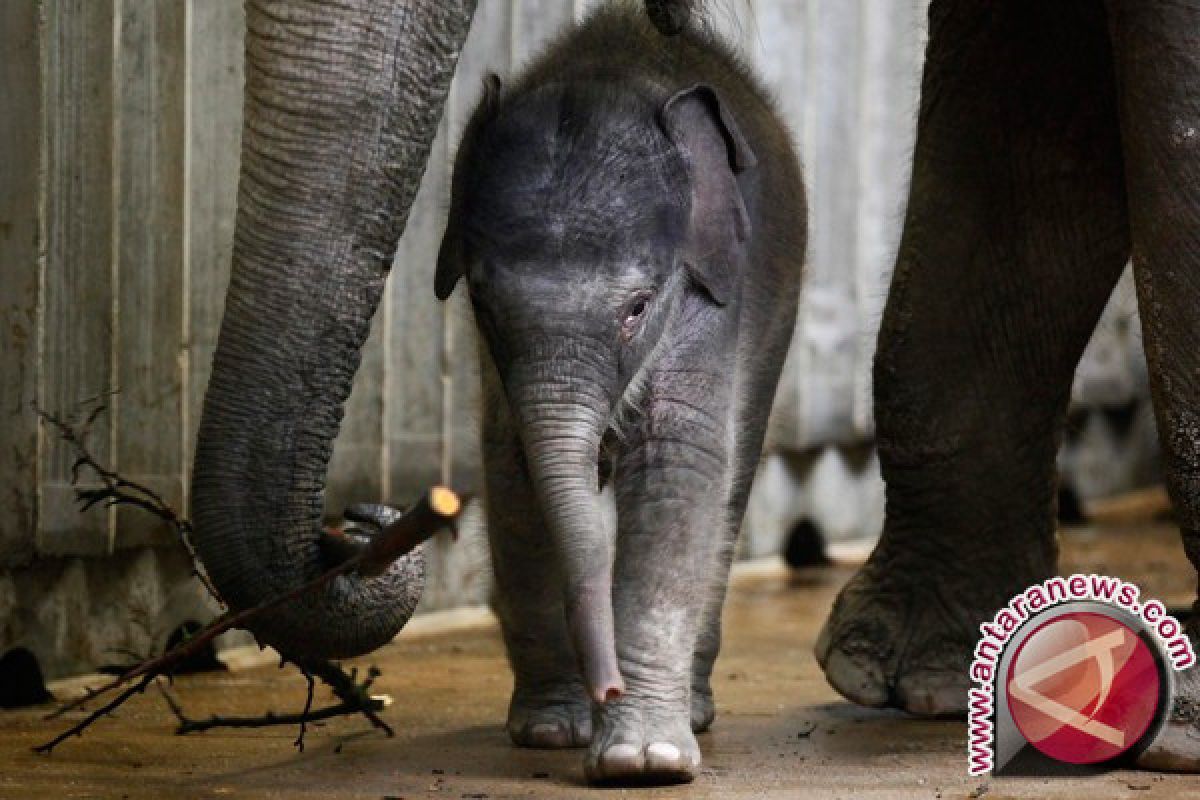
(358, 702)
(79, 727)
(353, 694)
(117, 490)
(437, 510)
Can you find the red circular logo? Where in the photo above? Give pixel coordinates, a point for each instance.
(1083, 688)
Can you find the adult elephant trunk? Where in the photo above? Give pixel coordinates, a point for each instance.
(343, 99)
(562, 422)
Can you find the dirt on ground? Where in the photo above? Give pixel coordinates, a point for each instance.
(780, 731)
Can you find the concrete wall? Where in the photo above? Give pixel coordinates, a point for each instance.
(117, 190)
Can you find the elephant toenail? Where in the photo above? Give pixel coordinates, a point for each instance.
(545, 729)
(622, 756)
(663, 753)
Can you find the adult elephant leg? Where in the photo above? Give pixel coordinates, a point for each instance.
(1156, 47)
(549, 706)
(342, 102)
(1015, 234)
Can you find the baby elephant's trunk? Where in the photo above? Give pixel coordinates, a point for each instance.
(562, 428)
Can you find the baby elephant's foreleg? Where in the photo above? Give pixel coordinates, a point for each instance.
(670, 486)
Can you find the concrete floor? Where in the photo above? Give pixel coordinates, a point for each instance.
(780, 732)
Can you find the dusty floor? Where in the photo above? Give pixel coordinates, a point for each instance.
(781, 732)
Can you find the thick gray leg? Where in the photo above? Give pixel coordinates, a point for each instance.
(1015, 234)
(549, 707)
(1157, 51)
(672, 483)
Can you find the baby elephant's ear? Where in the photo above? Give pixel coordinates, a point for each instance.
(451, 262)
(715, 151)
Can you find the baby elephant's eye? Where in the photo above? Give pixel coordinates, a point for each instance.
(635, 309)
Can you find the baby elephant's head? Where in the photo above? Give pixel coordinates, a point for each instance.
(583, 216)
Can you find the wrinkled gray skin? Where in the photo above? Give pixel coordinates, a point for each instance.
(342, 103)
(1055, 140)
(635, 293)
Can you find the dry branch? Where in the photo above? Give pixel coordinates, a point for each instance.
(116, 490)
(437, 510)
(78, 728)
(356, 701)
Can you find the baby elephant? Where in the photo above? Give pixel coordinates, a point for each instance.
(629, 219)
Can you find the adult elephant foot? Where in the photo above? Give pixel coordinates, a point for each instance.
(551, 717)
(1177, 746)
(902, 635)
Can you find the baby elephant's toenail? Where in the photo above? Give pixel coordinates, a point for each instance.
(621, 758)
(662, 755)
(664, 750)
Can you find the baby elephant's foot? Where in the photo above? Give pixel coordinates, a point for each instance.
(1177, 746)
(639, 744)
(550, 717)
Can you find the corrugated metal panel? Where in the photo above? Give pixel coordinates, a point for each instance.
(846, 74)
(149, 91)
(20, 276)
(79, 275)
